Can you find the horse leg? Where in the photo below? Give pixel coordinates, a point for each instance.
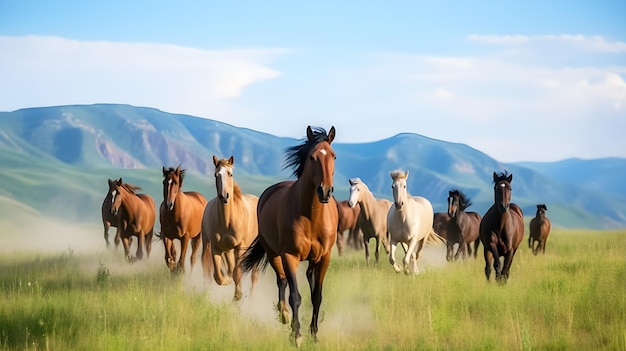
(126, 243)
(237, 273)
(140, 244)
(508, 259)
(106, 233)
(149, 242)
(377, 249)
(290, 264)
(476, 244)
(118, 238)
(488, 261)
(207, 259)
(367, 251)
(339, 242)
(217, 271)
(316, 282)
(184, 244)
(167, 246)
(392, 256)
(195, 245)
(418, 253)
(281, 282)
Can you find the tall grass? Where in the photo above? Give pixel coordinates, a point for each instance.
(573, 297)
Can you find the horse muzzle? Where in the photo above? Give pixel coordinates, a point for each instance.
(324, 193)
(170, 205)
(224, 198)
(503, 207)
(398, 205)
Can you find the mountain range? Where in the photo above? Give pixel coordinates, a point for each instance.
(55, 161)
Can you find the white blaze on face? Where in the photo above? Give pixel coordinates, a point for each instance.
(323, 152)
(113, 194)
(354, 195)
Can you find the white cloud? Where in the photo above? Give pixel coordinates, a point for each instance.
(590, 43)
(41, 71)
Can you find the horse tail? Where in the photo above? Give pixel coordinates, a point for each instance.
(254, 257)
(435, 239)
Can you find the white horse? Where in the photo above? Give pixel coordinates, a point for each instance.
(371, 219)
(409, 221)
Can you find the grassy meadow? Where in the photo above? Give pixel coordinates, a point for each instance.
(61, 289)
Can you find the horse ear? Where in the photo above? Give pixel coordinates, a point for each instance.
(406, 175)
(231, 160)
(110, 181)
(215, 160)
(509, 178)
(495, 177)
(178, 169)
(164, 171)
(331, 134)
(309, 133)
(119, 181)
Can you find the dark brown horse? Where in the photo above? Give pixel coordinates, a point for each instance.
(440, 225)
(137, 214)
(181, 219)
(229, 226)
(539, 230)
(298, 222)
(109, 219)
(501, 229)
(347, 221)
(464, 225)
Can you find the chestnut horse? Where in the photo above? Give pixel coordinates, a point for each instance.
(181, 219)
(137, 214)
(347, 221)
(539, 230)
(501, 229)
(373, 216)
(463, 225)
(298, 222)
(409, 221)
(441, 221)
(109, 219)
(229, 226)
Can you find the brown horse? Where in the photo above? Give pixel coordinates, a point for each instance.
(373, 216)
(298, 222)
(501, 229)
(441, 221)
(137, 214)
(463, 225)
(109, 219)
(347, 221)
(539, 230)
(229, 226)
(181, 219)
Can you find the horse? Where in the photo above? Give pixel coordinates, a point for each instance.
(539, 230)
(109, 219)
(440, 225)
(409, 221)
(298, 222)
(347, 221)
(136, 213)
(180, 215)
(501, 228)
(464, 224)
(229, 226)
(372, 219)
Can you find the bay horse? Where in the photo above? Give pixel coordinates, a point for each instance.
(180, 214)
(137, 214)
(463, 224)
(372, 219)
(501, 228)
(298, 222)
(229, 226)
(440, 225)
(109, 219)
(347, 221)
(409, 221)
(539, 230)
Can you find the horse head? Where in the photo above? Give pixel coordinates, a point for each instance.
(172, 183)
(457, 201)
(502, 190)
(224, 182)
(541, 210)
(398, 186)
(116, 196)
(355, 191)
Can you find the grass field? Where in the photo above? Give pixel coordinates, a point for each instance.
(61, 290)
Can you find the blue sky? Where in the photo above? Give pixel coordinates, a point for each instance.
(533, 80)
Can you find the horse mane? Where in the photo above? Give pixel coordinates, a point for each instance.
(464, 201)
(398, 173)
(296, 155)
(545, 208)
(130, 187)
(182, 174)
(500, 176)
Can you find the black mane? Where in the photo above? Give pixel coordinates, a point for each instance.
(296, 155)
(500, 176)
(464, 201)
(172, 170)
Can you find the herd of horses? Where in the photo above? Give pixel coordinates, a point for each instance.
(300, 220)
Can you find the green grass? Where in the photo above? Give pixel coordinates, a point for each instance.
(573, 297)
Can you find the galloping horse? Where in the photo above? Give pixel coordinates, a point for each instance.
(297, 222)
(109, 219)
(539, 230)
(229, 226)
(409, 221)
(347, 221)
(502, 228)
(441, 220)
(137, 214)
(373, 216)
(464, 224)
(181, 219)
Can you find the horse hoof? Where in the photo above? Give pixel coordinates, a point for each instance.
(299, 341)
(285, 318)
(397, 268)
